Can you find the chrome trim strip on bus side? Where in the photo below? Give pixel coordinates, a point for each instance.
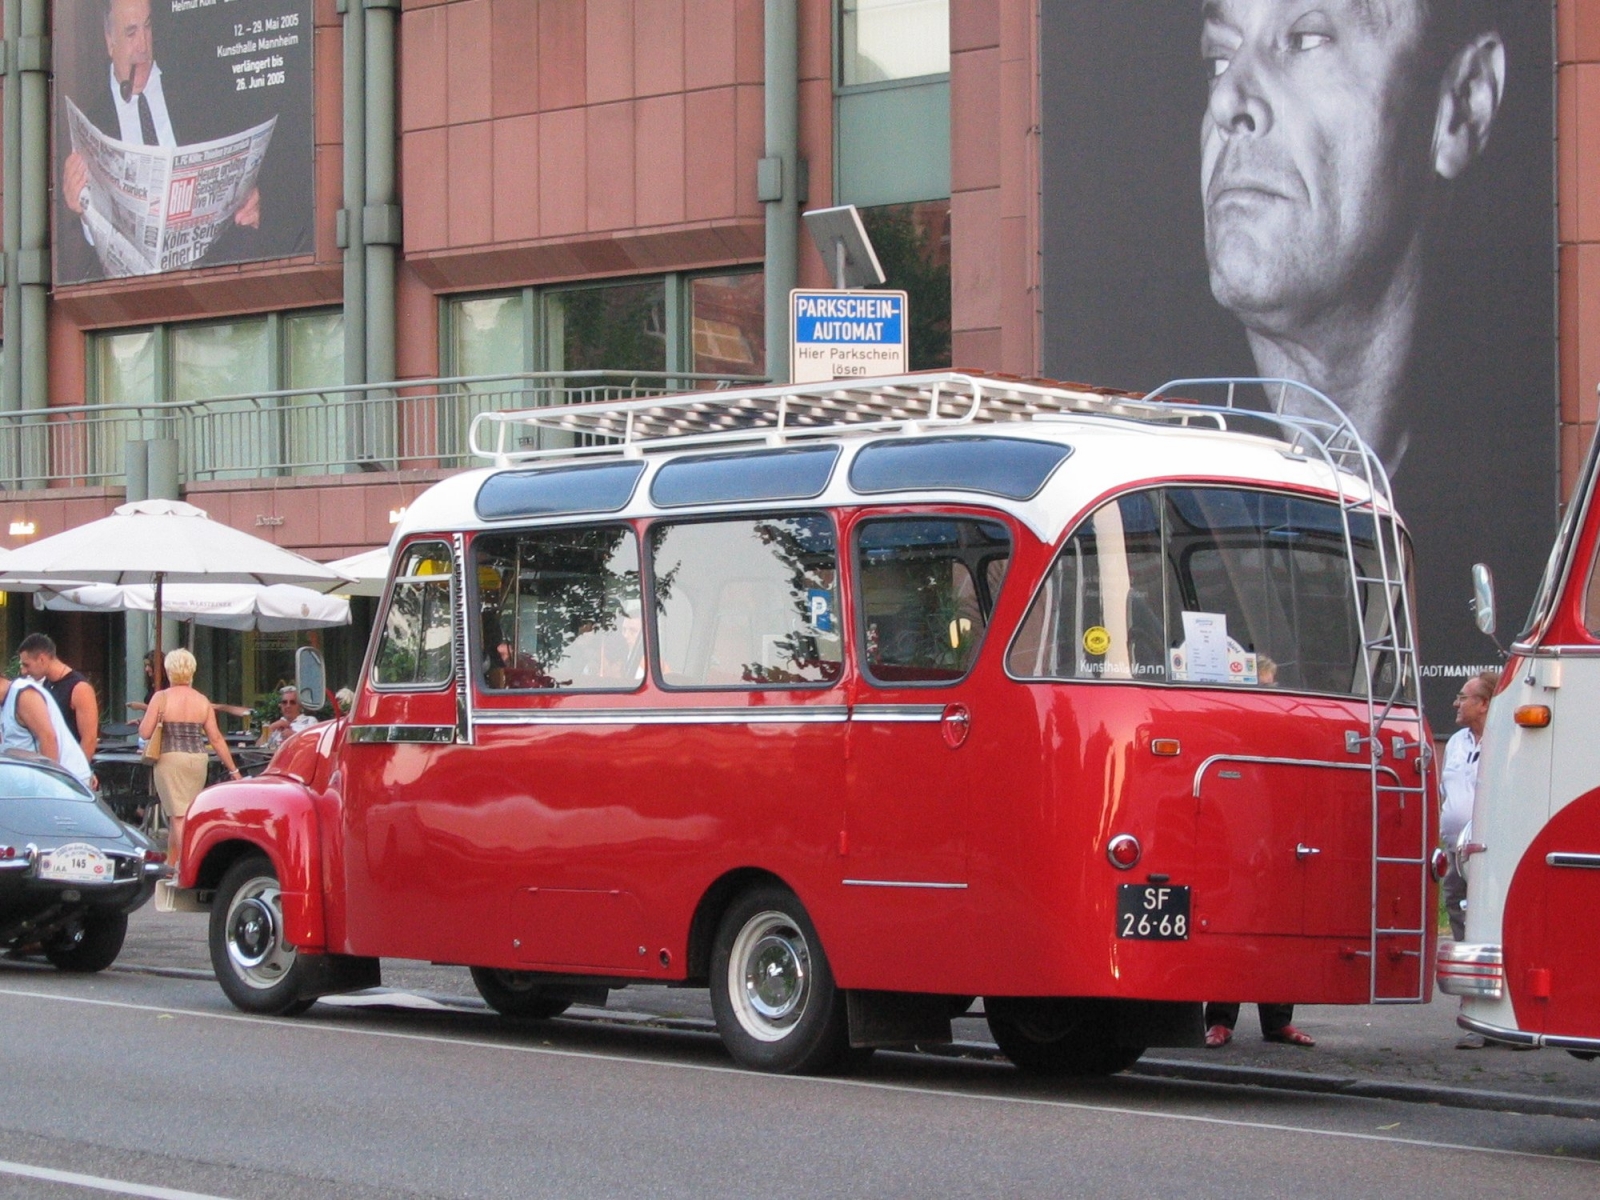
(1268, 760)
(1565, 858)
(897, 712)
(433, 734)
(904, 883)
(833, 714)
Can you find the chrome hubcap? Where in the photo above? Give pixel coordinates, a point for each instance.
(253, 932)
(769, 976)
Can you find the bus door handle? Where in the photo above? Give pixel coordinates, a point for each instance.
(1303, 851)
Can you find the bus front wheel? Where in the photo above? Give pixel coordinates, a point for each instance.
(1059, 1037)
(772, 992)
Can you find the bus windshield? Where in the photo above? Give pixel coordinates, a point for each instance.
(1219, 586)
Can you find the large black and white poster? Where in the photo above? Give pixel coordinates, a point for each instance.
(1356, 194)
(183, 134)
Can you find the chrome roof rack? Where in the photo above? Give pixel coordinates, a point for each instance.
(779, 414)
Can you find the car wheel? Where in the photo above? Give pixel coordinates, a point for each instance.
(1059, 1037)
(259, 971)
(516, 994)
(94, 946)
(772, 991)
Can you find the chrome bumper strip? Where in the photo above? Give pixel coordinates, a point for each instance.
(1518, 1037)
(1584, 862)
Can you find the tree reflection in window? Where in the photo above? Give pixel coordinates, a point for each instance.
(747, 602)
(928, 588)
(416, 642)
(560, 609)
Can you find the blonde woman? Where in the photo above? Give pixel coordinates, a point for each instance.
(188, 724)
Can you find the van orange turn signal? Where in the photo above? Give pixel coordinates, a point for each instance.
(1533, 716)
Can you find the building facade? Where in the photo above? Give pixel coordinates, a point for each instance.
(488, 203)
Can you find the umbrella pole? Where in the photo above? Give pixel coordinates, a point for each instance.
(160, 661)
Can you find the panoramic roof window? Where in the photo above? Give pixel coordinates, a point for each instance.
(559, 491)
(797, 474)
(1015, 468)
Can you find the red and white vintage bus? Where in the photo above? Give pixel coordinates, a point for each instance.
(1527, 972)
(857, 703)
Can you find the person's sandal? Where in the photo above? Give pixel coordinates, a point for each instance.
(1290, 1036)
(1218, 1036)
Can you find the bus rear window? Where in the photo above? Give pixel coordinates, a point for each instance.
(1215, 586)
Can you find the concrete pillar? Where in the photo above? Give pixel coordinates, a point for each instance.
(779, 176)
(355, 192)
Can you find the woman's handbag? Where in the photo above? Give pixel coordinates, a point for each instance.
(152, 748)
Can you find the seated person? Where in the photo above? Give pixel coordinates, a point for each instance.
(291, 719)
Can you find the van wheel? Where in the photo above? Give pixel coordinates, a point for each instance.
(1059, 1037)
(259, 971)
(516, 994)
(772, 991)
(94, 946)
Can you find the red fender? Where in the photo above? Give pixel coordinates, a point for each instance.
(279, 815)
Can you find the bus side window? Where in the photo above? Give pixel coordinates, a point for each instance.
(414, 649)
(928, 587)
(1591, 599)
(745, 603)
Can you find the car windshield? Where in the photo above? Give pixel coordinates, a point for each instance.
(21, 781)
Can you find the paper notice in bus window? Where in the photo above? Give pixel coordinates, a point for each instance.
(1205, 646)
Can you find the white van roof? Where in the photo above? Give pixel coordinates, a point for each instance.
(1109, 441)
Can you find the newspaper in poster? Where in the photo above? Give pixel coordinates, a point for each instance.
(155, 208)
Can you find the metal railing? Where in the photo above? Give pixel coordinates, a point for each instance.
(404, 425)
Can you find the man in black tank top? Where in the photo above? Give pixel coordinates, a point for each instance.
(73, 693)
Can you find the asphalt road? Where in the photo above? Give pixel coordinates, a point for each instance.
(150, 1086)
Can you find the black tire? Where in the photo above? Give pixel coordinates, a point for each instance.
(516, 994)
(258, 970)
(1055, 1037)
(94, 947)
(772, 991)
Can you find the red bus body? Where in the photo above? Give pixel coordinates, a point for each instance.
(945, 839)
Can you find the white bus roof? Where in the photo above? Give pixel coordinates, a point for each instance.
(1112, 440)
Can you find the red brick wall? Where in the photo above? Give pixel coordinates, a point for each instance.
(1578, 174)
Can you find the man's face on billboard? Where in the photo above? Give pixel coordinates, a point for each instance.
(1314, 151)
(130, 43)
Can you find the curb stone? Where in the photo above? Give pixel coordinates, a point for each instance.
(1152, 1068)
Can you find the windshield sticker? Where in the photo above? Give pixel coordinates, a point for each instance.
(1209, 655)
(1096, 640)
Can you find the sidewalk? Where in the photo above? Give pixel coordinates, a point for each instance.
(1404, 1051)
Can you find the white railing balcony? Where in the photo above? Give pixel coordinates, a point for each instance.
(406, 425)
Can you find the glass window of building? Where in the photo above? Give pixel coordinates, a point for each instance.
(125, 367)
(882, 40)
(313, 350)
(226, 359)
(620, 327)
(488, 335)
(728, 324)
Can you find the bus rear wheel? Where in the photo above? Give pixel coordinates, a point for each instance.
(1059, 1037)
(772, 992)
(516, 994)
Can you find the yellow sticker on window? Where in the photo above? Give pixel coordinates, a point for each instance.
(1096, 640)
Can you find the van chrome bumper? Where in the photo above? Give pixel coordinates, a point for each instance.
(1518, 1037)
(1465, 969)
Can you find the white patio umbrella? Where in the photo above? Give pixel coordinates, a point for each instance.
(157, 542)
(275, 608)
(369, 569)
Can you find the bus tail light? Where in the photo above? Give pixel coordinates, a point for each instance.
(1124, 851)
(1469, 970)
(1533, 716)
(1439, 865)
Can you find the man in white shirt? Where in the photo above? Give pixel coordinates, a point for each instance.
(1458, 783)
(291, 719)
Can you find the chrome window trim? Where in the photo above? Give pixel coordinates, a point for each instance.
(1566, 858)
(830, 714)
(403, 734)
(897, 713)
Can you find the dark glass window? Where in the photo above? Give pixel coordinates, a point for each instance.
(559, 609)
(1215, 586)
(928, 588)
(1012, 467)
(417, 629)
(797, 474)
(747, 602)
(558, 491)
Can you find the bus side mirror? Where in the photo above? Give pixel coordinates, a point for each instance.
(311, 679)
(1483, 598)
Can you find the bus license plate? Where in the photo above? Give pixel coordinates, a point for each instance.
(1153, 912)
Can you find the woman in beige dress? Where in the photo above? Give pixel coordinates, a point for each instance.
(188, 724)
